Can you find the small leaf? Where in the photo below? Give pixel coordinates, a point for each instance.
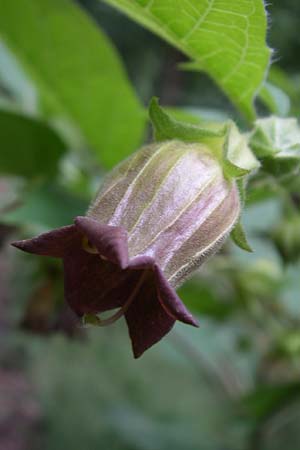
(29, 147)
(239, 237)
(225, 39)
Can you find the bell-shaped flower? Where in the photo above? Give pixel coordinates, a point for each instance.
(157, 217)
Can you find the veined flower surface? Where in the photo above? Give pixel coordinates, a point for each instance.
(157, 218)
(174, 203)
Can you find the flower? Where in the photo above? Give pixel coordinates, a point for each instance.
(158, 216)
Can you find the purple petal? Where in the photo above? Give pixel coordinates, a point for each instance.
(170, 300)
(147, 320)
(166, 294)
(54, 243)
(93, 285)
(110, 241)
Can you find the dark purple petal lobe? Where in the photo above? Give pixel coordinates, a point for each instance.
(170, 300)
(93, 285)
(54, 243)
(110, 241)
(147, 320)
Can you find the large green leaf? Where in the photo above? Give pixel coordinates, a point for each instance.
(77, 71)
(28, 147)
(225, 38)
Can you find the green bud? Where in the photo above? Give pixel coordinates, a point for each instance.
(276, 142)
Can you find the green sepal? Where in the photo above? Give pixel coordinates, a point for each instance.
(233, 171)
(238, 236)
(241, 184)
(238, 159)
(225, 141)
(165, 127)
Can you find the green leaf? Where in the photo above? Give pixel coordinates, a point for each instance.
(239, 237)
(77, 71)
(226, 39)
(29, 147)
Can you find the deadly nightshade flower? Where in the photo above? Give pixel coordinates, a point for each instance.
(157, 218)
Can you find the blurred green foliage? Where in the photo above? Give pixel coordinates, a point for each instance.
(77, 73)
